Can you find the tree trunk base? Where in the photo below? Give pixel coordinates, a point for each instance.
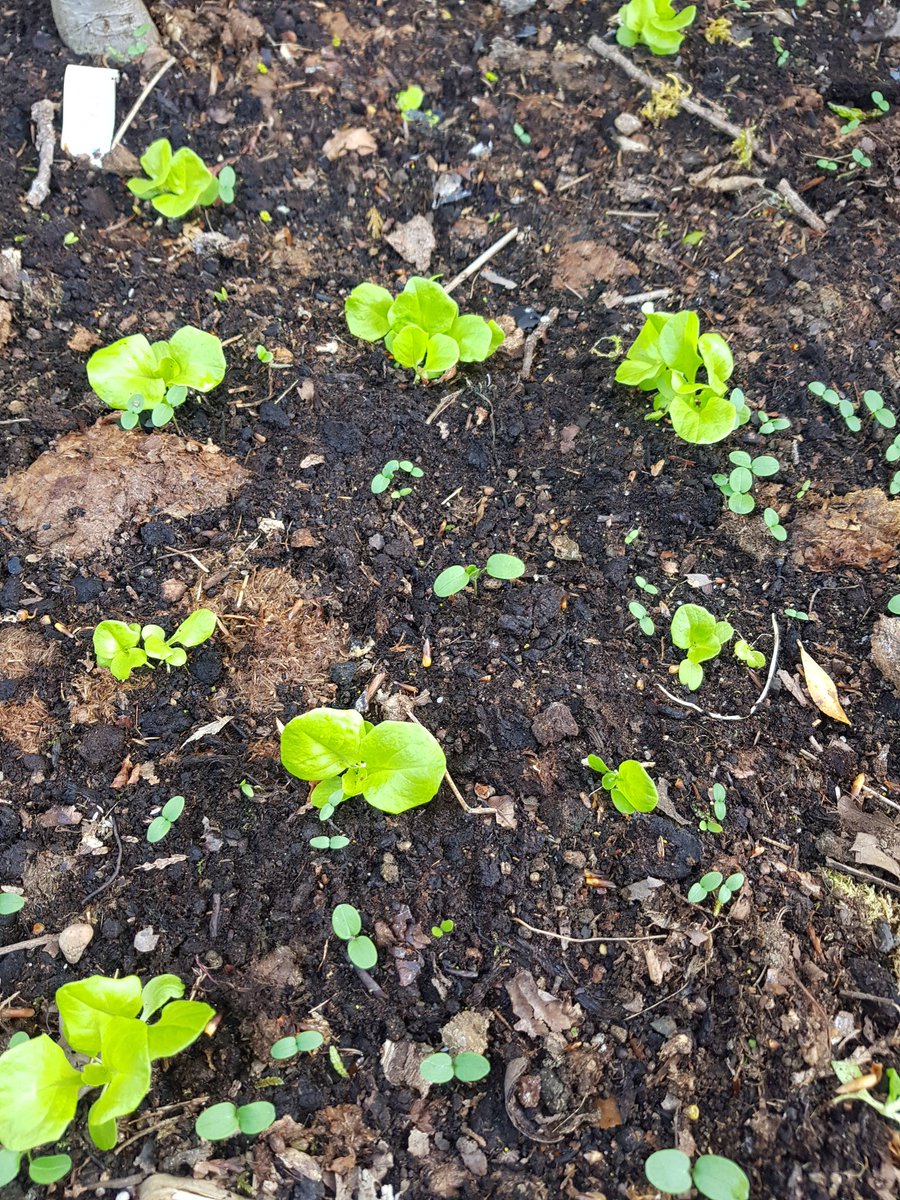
(115, 28)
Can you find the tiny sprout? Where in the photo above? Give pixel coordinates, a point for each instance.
(694, 238)
(385, 477)
(442, 1067)
(774, 525)
(303, 1043)
(826, 164)
(711, 822)
(337, 842)
(769, 424)
(457, 579)
(246, 789)
(71, 239)
(745, 653)
(347, 924)
(643, 618)
(807, 484)
(10, 903)
(438, 931)
(714, 882)
(160, 826)
(650, 588)
(221, 295)
(737, 485)
(874, 402)
(337, 1063)
(524, 138)
(796, 614)
(861, 160)
(631, 536)
(264, 355)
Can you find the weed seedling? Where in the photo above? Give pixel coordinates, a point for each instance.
(769, 423)
(337, 1063)
(855, 1085)
(519, 131)
(108, 1022)
(116, 643)
(457, 579)
(714, 1177)
(137, 376)
(438, 931)
(394, 766)
(696, 630)
(247, 789)
(714, 883)
(409, 102)
(442, 1067)
(421, 328)
(746, 654)
(385, 477)
(160, 826)
(650, 588)
(666, 358)
(893, 605)
(224, 1120)
(178, 182)
(643, 618)
(264, 355)
(874, 402)
(10, 903)
(782, 54)
(774, 525)
(711, 822)
(653, 23)
(737, 485)
(303, 1043)
(630, 787)
(347, 924)
(796, 614)
(337, 842)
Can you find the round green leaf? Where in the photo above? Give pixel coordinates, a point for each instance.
(504, 566)
(321, 744)
(885, 417)
(379, 484)
(309, 1040)
(697, 894)
(711, 880)
(719, 1178)
(362, 953)
(173, 808)
(740, 479)
(637, 610)
(765, 465)
(405, 766)
(161, 414)
(38, 1093)
(469, 1067)
(473, 336)
(217, 1122)
(741, 503)
(704, 419)
(893, 605)
(437, 1068)
(10, 903)
(10, 1160)
(410, 346)
(735, 882)
(49, 1168)
(669, 1171)
(690, 674)
(366, 311)
(442, 354)
(346, 922)
(256, 1117)
(338, 842)
(285, 1048)
(157, 829)
(450, 581)
(740, 458)
(817, 389)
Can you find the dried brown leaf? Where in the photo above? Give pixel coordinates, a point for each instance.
(539, 1012)
(821, 688)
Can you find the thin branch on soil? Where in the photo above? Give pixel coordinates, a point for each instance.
(139, 103)
(616, 299)
(443, 405)
(865, 876)
(115, 875)
(29, 944)
(482, 259)
(800, 208)
(713, 716)
(564, 937)
(45, 140)
(657, 1003)
(536, 335)
(886, 1000)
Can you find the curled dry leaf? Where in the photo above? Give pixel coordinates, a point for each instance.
(821, 688)
(345, 141)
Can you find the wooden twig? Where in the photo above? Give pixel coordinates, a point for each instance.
(536, 335)
(713, 716)
(45, 140)
(564, 937)
(865, 876)
(442, 405)
(139, 103)
(800, 208)
(29, 943)
(482, 259)
(614, 299)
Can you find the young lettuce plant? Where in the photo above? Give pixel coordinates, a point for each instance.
(421, 328)
(138, 376)
(178, 182)
(394, 766)
(347, 924)
(630, 787)
(457, 579)
(467, 1067)
(653, 23)
(116, 643)
(108, 1021)
(696, 630)
(665, 358)
(850, 1074)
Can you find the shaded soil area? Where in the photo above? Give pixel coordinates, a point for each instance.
(670, 1025)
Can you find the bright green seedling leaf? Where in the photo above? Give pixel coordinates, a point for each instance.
(38, 1094)
(10, 903)
(450, 581)
(504, 566)
(669, 1171)
(519, 131)
(410, 99)
(438, 931)
(132, 368)
(10, 1161)
(304, 1043)
(695, 630)
(178, 182)
(630, 787)
(256, 1118)
(337, 1063)
(264, 355)
(437, 1068)
(366, 312)
(49, 1168)
(362, 953)
(159, 991)
(893, 605)
(337, 842)
(653, 23)
(773, 524)
(469, 1067)
(719, 1178)
(160, 826)
(346, 922)
(227, 181)
(217, 1122)
(643, 618)
(745, 653)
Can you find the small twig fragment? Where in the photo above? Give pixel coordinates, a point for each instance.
(45, 140)
(537, 335)
(482, 259)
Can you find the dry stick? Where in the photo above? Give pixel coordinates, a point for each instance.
(699, 108)
(617, 298)
(564, 937)
(482, 259)
(443, 405)
(537, 335)
(138, 104)
(45, 140)
(30, 944)
(800, 207)
(735, 716)
(866, 876)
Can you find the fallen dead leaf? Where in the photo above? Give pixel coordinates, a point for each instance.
(608, 1115)
(414, 242)
(504, 811)
(821, 688)
(869, 854)
(160, 864)
(209, 730)
(346, 141)
(123, 775)
(540, 1013)
(59, 816)
(580, 265)
(82, 340)
(861, 529)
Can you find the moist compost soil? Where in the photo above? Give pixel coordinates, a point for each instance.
(718, 1035)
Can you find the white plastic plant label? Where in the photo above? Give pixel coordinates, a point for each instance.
(89, 111)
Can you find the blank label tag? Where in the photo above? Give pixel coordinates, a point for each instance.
(89, 111)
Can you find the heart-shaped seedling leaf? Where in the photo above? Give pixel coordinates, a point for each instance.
(469, 1067)
(437, 1068)
(719, 1178)
(450, 581)
(217, 1122)
(49, 1168)
(669, 1171)
(504, 566)
(362, 953)
(255, 1118)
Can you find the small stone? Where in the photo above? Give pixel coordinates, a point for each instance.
(627, 123)
(145, 940)
(885, 941)
(171, 590)
(553, 724)
(376, 541)
(14, 566)
(74, 940)
(389, 871)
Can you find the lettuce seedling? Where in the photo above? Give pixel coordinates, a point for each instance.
(696, 630)
(347, 924)
(138, 376)
(176, 183)
(385, 477)
(421, 328)
(848, 1072)
(394, 766)
(665, 358)
(630, 787)
(10, 903)
(116, 643)
(714, 882)
(442, 1067)
(301, 1043)
(438, 931)
(457, 579)
(224, 1120)
(653, 23)
(108, 1020)
(160, 826)
(713, 1176)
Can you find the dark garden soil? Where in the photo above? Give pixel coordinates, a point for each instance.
(670, 1026)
